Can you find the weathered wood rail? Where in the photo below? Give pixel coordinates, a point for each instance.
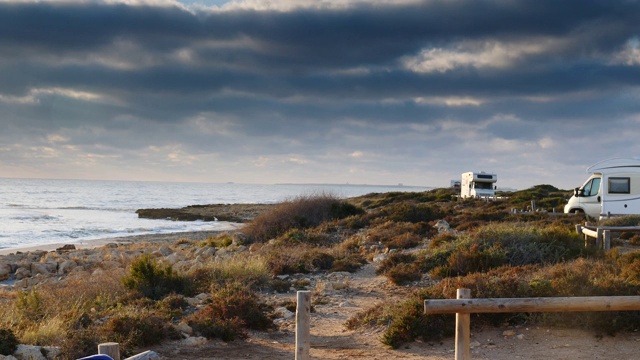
(464, 306)
(602, 234)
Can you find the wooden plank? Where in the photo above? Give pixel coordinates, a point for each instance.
(614, 228)
(589, 232)
(549, 304)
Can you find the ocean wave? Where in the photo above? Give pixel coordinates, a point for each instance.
(12, 205)
(33, 217)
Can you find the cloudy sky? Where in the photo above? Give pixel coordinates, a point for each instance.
(310, 91)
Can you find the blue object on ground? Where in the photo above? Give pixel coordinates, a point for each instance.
(97, 357)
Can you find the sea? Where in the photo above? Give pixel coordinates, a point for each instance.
(37, 211)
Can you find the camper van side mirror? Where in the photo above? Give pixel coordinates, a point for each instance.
(577, 192)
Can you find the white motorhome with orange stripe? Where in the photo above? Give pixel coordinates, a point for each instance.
(612, 189)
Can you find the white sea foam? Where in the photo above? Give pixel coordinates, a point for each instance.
(35, 212)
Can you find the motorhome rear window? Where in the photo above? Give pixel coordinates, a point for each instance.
(619, 185)
(481, 176)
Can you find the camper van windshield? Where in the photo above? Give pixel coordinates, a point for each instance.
(592, 187)
(482, 185)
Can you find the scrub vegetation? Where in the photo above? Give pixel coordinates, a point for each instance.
(485, 247)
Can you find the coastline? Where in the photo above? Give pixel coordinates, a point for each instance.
(96, 243)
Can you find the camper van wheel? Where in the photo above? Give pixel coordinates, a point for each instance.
(577, 211)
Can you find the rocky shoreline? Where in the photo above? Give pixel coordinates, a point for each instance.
(24, 269)
(215, 212)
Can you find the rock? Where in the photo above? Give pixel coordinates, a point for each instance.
(474, 344)
(240, 239)
(66, 266)
(173, 258)
(184, 328)
(5, 270)
(284, 313)
(346, 304)
(43, 268)
(509, 333)
(22, 273)
(67, 247)
(7, 357)
(442, 226)
(520, 337)
(194, 341)
(29, 352)
(380, 257)
(165, 250)
(53, 352)
(206, 252)
(255, 247)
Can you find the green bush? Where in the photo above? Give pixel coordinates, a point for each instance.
(137, 330)
(232, 308)
(300, 213)
(8, 342)
(298, 259)
(152, 279)
(413, 213)
(627, 220)
(500, 244)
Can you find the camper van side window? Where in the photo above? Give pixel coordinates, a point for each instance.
(619, 185)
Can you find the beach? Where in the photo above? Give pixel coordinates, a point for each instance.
(133, 239)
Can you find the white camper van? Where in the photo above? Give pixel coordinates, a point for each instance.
(612, 189)
(478, 185)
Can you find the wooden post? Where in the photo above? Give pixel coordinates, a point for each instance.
(607, 239)
(303, 337)
(533, 206)
(463, 329)
(111, 348)
(599, 238)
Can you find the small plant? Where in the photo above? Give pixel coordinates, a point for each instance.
(151, 279)
(134, 330)
(222, 240)
(29, 305)
(8, 342)
(634, 240)
(250, 270)
(231, 309)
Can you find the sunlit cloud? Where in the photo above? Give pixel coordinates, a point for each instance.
(452, 101)
(630, 55)
(476, 54)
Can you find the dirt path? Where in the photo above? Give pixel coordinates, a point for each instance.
(331, 340)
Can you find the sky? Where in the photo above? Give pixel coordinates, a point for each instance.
(318, 91)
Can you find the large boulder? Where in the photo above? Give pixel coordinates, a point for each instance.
(44, 268)
(5, 271)
(29, 352)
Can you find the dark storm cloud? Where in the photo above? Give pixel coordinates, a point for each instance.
(328, 84)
